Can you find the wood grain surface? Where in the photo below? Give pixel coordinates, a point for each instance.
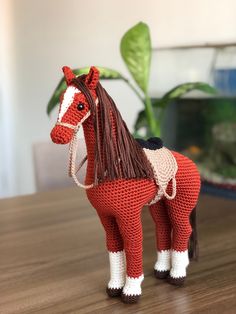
(53, 259)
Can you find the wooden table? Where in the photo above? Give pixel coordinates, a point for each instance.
(53, 260)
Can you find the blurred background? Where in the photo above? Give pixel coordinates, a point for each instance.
(191, 41)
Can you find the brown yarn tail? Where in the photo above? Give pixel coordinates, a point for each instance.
(193, 241)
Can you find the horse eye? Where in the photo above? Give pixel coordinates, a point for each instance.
(80, 106)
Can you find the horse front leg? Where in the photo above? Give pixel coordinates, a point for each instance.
(114, 244)
(130, 226)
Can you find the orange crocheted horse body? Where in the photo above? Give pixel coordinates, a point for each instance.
(120, 180)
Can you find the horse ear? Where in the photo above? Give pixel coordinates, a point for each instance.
(92, 78)
(69, 75)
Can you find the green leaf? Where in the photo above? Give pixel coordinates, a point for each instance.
(135, 49)
(183, 89)
(176, 92)
(105, 73)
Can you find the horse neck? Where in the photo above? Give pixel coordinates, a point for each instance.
(90, 140)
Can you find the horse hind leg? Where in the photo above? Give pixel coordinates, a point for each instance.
(181, 231)
(161, 218)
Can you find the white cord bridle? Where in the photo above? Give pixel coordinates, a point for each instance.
(73, 150)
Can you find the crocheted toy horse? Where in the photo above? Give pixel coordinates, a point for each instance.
(123, 175)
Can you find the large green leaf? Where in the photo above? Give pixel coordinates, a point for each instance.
(105, 73)
(135, 49)
(182, 89)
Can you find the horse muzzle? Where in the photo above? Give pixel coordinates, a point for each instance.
(61, 134)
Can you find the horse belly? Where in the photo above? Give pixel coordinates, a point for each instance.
(110, 197)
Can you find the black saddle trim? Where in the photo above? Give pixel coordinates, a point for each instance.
(152, 143)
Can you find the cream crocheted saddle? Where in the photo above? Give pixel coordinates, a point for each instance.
(164, 167)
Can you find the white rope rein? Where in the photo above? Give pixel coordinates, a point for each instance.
(169, 197)
(73, 152)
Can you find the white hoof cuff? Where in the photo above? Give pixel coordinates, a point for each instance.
(117, 270)
(179, 262)
(163, 262)
(133, 285)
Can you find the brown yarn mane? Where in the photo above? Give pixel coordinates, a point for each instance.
(117, 153)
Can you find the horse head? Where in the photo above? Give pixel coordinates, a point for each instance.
(74, 105)
(112, 149)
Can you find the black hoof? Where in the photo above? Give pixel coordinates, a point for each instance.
(114, 292)
(161, 274)
(176, 281)
(129, 299)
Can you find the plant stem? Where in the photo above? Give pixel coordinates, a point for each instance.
(155, 130)
(134, 90)
(154, 127)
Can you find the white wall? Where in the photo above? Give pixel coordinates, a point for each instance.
(49, 34)
(7, 117)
